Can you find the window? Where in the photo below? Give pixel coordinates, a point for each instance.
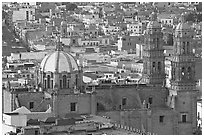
(182, 72)
(183, 50)
(124, 101)
(31, 105)
(150, 100)
(106, 41)
(45, 83)
(51, 75)
(73, 106)
(76, 82)
(48, 81)
(188, 47)
(157, 43)
(184, 118)
(161, 119)
(189, 72)
(36, 132)
(60, 83)
(51, 83)
(27, 15)
(159, 66)
(154, 66)
(64, 79)
(67, 83)
(198, 115)
(73, 41)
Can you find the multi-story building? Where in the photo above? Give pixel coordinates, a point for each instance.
(136, 28)
(167, 19)
(27, 13)
(128, 43)
(111, 29)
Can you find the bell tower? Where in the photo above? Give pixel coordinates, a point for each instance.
(183, 86)
(153, 73)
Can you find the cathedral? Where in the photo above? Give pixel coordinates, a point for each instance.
(150, 107)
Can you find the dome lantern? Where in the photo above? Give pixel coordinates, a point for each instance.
(153, 24)
(153, 16)
(59, 44)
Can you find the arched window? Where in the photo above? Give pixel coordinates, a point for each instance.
(64, 79)
(60, 83)
(76, 80)
(188, 47)
(159, 66)
(154, 43)
(51, 74)
(189, 72)
(154, 66)
(51, 83)
(45, 83)
(182, 73)
(67, 83)
(74, 41)
(184, 47)
(48, 81)
(173, 73)
(157, 42)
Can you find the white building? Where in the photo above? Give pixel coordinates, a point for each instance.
(167, 21)
(23, 14)
(110, 30)
(27, 56)
(135, 28)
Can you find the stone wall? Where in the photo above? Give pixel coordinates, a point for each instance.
(84, 104)
(111, 96)
(145, 120)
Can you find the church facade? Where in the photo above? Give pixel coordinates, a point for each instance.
(153, 107)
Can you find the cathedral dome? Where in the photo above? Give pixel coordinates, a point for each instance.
(153, 23)
(182, 25)
(59, 61)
